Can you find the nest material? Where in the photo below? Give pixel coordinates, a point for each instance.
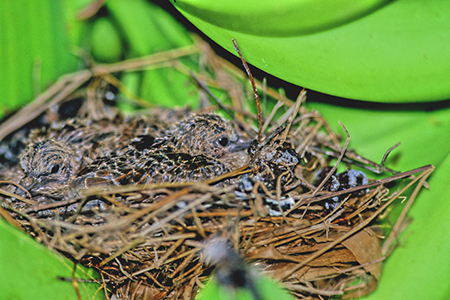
(148, 241)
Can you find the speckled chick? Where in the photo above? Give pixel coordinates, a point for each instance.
(47, 165)
(200, 147)
(53, 156)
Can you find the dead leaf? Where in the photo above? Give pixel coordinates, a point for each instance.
(365, 246)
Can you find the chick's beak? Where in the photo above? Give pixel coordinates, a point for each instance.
(239, 145)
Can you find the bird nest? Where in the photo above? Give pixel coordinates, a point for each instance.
(310, 224)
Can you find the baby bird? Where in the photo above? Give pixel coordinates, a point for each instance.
(206, 134)
(48, 165)
(54, 155)
(200, 147)
(91, 139)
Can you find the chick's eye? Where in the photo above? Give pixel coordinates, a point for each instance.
(223, 141)
(54, 168)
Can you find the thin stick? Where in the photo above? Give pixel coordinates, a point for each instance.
(238, 73)
(13, 195)
(75, 283)
(272, 114)
(312, 199)
(337, 162)
(69, 83)
(10, 219)
(300, 99)
(258, 105)
(385, 156)
(405, 210)
(36, 108)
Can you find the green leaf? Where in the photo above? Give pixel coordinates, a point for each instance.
(267, 288)
(28, 270)
(373, 131)
(106, 42)
(148, 29)
(397, 53)
(287, 18)
(35, 50)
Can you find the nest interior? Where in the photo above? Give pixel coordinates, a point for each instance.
(298, 208)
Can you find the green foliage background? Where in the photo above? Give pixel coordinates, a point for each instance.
(38, 41)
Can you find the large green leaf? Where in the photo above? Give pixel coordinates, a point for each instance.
(287, 18)
(34, 50)
(28, 270)
(148, 29)
(397, 53)
(266, 288)
(422, 133)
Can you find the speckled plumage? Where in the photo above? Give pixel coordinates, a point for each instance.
(200, 147)
(48, 164)
(81, 154)
(273, 159)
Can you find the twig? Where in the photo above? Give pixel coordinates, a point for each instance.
(75, 282)
(402, 216)
(337, 162)
(69, 83)
(249, 73)
(300, 99)
(311, 199)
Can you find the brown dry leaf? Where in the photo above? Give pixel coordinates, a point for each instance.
(365, 246)
(269, 252)
(277, 269)
(305, 274)
(137, 290)
(335, 257)
(315, 274)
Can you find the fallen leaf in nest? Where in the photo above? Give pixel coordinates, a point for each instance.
(331, 258)
(305, 274)
(365, 246)
(269, 252)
